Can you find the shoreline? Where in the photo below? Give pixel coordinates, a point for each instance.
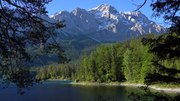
(153, 87)
(168, 90)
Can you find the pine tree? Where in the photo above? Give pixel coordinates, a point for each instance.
(167, 45)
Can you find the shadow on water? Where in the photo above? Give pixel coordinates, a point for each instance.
(103, 98)
(143, 94)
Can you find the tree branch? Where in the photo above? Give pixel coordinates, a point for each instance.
(140, 6)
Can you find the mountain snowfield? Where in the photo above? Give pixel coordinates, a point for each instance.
(105, 24)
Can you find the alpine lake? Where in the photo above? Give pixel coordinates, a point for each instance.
(58, 90)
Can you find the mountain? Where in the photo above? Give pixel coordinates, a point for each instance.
(105, 24)
(85, 30)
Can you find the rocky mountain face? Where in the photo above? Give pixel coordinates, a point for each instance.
(105, 24)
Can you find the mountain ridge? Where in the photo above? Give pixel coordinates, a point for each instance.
(105, 23)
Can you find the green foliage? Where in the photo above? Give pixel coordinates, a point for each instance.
(166, 58)
(56, 71)
(166, 47)
(137, 61)
(127, 65)
(74, 46)
(103, 65)
(130, 60)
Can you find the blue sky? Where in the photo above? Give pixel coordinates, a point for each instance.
(120, 5)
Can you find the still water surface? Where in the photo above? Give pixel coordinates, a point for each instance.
(62, 91)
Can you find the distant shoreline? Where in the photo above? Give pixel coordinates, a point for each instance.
(169, 90)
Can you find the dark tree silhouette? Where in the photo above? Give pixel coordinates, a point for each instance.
(24, 25)
(166, 46)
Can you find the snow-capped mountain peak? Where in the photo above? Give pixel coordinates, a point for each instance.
(105, 23)
(106, 8)
(78, 11)
(134, 13)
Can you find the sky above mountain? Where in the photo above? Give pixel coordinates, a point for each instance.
(120, 5)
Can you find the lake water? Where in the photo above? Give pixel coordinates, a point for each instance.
(62, 91)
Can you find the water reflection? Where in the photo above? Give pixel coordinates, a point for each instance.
(148, 95)
(142, 94)
(58, 91)
(102, 98)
